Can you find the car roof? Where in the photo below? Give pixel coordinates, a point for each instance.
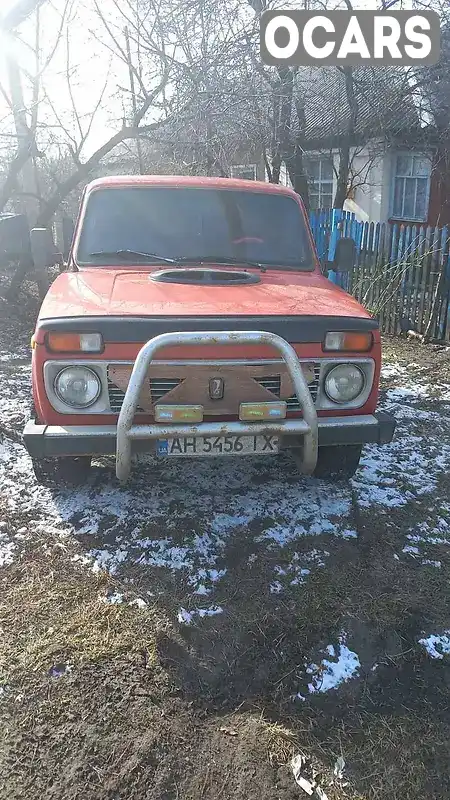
(185, 180)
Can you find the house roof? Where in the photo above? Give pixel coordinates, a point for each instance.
(436, 83)
(383, 96)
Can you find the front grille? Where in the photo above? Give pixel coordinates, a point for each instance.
(158, 388)
(273, 384)
(116, 398)
(161, 386)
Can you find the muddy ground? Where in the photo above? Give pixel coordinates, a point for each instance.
(185, 636)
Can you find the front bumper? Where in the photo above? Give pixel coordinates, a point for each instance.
(307, 433)
(47, 441)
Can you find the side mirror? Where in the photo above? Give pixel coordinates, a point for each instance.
(43, 251)
(344, 256)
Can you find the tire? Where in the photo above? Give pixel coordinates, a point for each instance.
(337, 462)
(58, 472)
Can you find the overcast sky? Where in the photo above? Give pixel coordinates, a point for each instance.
(90, 64)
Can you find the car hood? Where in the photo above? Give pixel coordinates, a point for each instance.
(104, 292)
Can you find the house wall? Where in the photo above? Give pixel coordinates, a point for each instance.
(284, 176)
(371, 200)
(374, 167)
(439, 207)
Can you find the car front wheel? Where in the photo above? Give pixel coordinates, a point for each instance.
(59, 472)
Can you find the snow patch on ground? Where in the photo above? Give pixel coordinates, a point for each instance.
(183, 516)
(16, 397)
(19, 356)
(298, 569)
(410, 393)
(394, 370)
(7, 549)
(139, 603)
(175, 519)
(298, 696)
(413, 551)
(398, 472)
(204, 579)
(437, 646)
(276, 587)
(114, 599)
(425, 537)
(413, 387)
(329, 674)
(58, 670)
(311, 512)
(187, 617)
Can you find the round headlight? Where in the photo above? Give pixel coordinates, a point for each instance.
(344, 383)
(79, 387)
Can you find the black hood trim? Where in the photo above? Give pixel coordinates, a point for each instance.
(296, 330)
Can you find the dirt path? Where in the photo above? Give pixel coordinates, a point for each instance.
(142, 628)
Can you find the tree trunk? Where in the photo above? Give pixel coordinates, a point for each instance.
(19, 13)
(342, 180)
(300, 180)
(344, 150)
(276, 168)
(297, 176)
(83, 171)
(282, 112)
(286, 90)
(274, 176)
(23, 133)
(267, 166)
(14, 170)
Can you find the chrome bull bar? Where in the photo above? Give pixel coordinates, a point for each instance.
(127, 431)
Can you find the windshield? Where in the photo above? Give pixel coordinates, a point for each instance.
(190, 224)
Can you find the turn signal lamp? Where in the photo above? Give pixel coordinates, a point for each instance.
(348, 341)
(74, 342)
(178, 413)
(249, 412)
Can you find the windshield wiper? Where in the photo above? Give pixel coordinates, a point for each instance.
(229, 261)
(129, 255)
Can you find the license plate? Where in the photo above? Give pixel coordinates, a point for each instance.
(218, 445)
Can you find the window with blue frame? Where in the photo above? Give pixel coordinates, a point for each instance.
(246, 172)
(411, 186)
(320, 177)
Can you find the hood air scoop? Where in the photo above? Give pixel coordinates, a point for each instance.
(205, 277)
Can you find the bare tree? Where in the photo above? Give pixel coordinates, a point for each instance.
(65, 130)
(19, 13)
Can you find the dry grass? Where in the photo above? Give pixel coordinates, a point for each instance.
(54, 611)
(282, 742)
(51, 611)
(130, 723)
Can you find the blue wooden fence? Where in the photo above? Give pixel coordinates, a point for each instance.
(401, 271)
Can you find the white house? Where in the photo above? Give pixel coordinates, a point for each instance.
(393, 153)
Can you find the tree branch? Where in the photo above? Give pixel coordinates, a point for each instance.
(19, 13)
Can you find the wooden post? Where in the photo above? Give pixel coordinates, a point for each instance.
(44, 255)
